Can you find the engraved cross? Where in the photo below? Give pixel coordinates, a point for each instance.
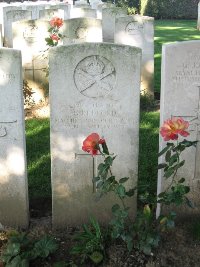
(195, 126)
(94, 166)
(3, 130)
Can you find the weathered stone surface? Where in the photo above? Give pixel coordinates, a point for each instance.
(13, 16)
(198, 20)
(80, 30)
(180, 97)
(1, 37)
(109, 16)
(65, 7)
(139, 31)
(91, 92)
(29, 37)
(80, 12)
(48, 14)
(35, 9)
(13, 173)
(4, 10)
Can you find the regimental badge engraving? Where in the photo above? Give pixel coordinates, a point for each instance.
(134, 28)
(95, 76)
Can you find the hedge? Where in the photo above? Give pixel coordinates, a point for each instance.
(170, 9)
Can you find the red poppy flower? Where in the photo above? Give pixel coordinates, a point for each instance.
(54, 37)
(172, 128)
(56, 22)
(91, 144)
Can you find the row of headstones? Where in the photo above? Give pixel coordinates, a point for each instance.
(116, 27)
(94, 87)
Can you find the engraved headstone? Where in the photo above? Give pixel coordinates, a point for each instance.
(109, 16)
(139, 31)
(13, 172)
(5, 9)
(13, 16)
(1, 37)
(79, 12)
(82, 30)
(180, 97)
(91, 92)
(198, 20)
(65, 7)
(29, 37)
(48, 14)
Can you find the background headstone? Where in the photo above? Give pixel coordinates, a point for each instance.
(13, 172)
(1, 37)
(91, 92)
(5, 9)
(48, 14)
(198, 20)
(180, 97)
(139, 31)
(109, 16)
(29, 37)
(79, 12)
(13, 16)
(82, 30)
(65, 7)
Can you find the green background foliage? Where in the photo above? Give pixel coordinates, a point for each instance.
(170, 9)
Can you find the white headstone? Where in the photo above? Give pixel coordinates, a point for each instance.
(109, 16)
(180, 97)
(82, 30)
(13, 171)
(139, 31)
(5, 9)
(79, 12)
(91, 92)
(35, 9)
(81, 3)
(29, 36)
(65, 7)
(1, 37)
(48, 14)
(100, 6)
(198, 20)
(13, 16)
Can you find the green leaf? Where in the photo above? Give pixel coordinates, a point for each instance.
(169, 172)
(162, 165)
(123, 180)
(182, 180)
(164, 149)
(45, 246)
(189, 203)
(130, 193)
(99, 184)
(105, 148)
(95, 179)
(173, 159)
(96, 257)
(121, 191)
(115, 208)
(168, 155)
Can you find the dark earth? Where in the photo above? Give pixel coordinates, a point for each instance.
(179, 247)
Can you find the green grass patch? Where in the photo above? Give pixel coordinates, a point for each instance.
(167, 31)
(38, 157)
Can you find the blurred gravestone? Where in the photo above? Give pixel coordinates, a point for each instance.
(139, 31)
(109, 16)
(13, 172)
(82, 30)
(29, 36)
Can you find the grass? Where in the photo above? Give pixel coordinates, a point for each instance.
(37, 131)
(167, 31)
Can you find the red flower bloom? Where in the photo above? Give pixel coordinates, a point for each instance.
(91, 144)
(172, 128)
(56, 22)
(55, 37)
